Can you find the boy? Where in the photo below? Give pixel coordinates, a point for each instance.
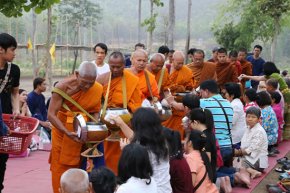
(254, 144)
(9, 86)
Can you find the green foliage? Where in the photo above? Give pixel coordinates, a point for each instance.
(151, 21)
(15, 8)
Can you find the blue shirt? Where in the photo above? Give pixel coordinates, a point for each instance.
(257, 65)
(222, 133)
(36, 104)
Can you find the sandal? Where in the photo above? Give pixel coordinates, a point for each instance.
(283, 159)
(280, 170)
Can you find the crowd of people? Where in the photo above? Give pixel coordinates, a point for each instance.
(232, 108)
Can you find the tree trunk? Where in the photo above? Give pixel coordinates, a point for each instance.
(188, 30)
(76, 51)
(150, 38)
(48, 74)
(33, 39)
(139, 21)
(274, 40)
(171, 25)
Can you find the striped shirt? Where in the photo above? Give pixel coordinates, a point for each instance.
(222, 133)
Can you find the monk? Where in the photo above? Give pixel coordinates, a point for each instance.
(226, 71)
(245, 65)
(161, 74)
(201, 70)
(233, 58)
(180, 80)
(66, 145)
(115, 99)
(139, 60)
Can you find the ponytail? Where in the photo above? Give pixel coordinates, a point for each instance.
(204, 116)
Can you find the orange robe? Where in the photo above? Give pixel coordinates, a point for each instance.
(201, 73)
(165, 80)
(115, 99)
(65, 152)
(247, 70)
(143, 85)
(226, 73)
(179, 79)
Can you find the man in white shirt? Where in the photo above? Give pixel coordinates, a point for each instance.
(101, 50)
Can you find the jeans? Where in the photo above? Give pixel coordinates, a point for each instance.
(227, 171)
(227, 156)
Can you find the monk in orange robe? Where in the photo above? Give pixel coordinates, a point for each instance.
(156, 68)
(201, 70)
(115, 99)
(66, 146)
(245, 65)
(139, 60)
(226, 71)
(180, 80)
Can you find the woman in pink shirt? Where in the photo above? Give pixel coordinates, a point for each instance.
(199, 164)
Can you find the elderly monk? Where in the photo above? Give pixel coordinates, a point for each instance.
(201, 70)
(180, 80)
(139, 60)
(245, 65)
(118, 77)
(226, 71)
(75, 181)
(161, 74)
(66, 146)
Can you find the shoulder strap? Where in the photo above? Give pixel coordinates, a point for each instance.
(68, 98)
(161, 79)
(148, 83)
(124, 91)
(227, 119)
(5, 80)
(106, 97)
(200, 182)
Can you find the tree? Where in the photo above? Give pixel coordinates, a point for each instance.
(80, 14)
(15, 8)
(188, 29)
(139, 20)
(151, 21)
(171, 25)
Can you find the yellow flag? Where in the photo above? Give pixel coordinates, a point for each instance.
(29, 44)
(52, 53)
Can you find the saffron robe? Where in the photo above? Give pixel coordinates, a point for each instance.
(66, 153)
(226, 73)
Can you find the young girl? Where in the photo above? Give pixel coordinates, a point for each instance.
(180, 175)
(198, 161)
(269, 120)
(135, 171)
(254, 144)
(249, 98)
(24, 109)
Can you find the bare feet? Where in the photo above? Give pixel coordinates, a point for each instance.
(243, 179)
(254, 173)
(226, 184)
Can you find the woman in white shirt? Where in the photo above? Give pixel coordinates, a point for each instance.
(135, 170)
(232, 92)
(148, 132)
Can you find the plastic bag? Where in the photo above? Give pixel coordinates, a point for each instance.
(44, 141)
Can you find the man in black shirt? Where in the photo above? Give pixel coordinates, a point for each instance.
(9, 86)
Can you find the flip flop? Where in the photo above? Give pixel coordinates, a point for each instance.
(280, 170)
(281, 160)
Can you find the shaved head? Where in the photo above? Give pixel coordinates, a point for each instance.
(178, 60)
(87, 69)
(139, 52)
(139, 60)
(75, 181)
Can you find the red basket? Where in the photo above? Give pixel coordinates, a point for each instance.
(22, 129)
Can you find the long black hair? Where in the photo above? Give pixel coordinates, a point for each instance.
(148, 131)
(191, 101)
(270, 68)
(198, 140)
(174, 143)
(103, 180)
(134, 161)
(204, 116)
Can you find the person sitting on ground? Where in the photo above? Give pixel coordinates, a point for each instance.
(135, 170)
(276, 98)
(254, 144)
(198, 161)
(24, 109)
(269, 120)
(180, 175)
(250, 97)
(103, 180)
(232, 92)
(75, 181)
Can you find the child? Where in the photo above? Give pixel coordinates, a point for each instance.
(103, 180)
(135, 170)
(254, 144)
(276, 99)
(180, 175)
(250, 97)
(198, 161)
